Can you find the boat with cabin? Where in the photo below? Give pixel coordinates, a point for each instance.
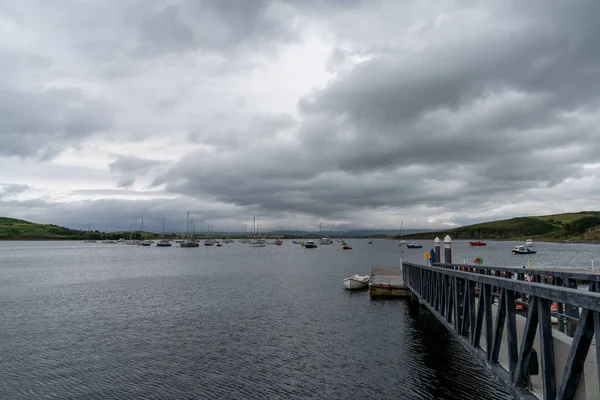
(325, 240)
(522, 250)
(414, 245)
(529, 243)
(310, 244)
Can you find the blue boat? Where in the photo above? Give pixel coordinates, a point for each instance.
(414, 245)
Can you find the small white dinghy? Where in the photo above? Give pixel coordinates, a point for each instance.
(357, 282)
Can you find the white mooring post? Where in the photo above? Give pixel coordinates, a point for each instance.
(448, 250)
(436, 246)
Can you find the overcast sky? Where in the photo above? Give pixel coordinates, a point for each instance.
(348, 113)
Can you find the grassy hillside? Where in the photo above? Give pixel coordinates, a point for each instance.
(17, 229)
(580, 226)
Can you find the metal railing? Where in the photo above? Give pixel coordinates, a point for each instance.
(450, 292)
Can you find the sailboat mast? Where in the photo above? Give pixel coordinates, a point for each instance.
(187, 223)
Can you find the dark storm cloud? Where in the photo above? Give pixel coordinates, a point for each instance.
(466, 120)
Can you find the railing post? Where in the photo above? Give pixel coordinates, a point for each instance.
(570, 310)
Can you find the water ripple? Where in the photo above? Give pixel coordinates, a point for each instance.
(230, 323)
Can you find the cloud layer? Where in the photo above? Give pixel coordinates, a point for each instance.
(359, 114)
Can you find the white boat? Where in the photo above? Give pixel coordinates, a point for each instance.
(256, 242)
(522, 250)
(357, 282)
(190, 229)
(529, 243)
(325, 240)
(310, 244)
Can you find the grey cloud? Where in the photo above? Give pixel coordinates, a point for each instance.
(42, 123)
(11, 189)
(119, 214)
(130, 163)
(453, 109)
(232, 133)
(484, 118)
(125, 182)
(128, 167)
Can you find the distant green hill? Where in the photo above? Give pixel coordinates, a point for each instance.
(582, 226)
(17, 229)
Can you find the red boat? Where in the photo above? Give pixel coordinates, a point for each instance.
(477, 243)
(346, 247)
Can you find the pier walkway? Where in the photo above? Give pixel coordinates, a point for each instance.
(506, 321)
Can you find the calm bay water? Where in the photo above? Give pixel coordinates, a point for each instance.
(112, 321)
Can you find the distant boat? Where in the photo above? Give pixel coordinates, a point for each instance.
(370, 242)
(402, 242)
(477, 243)
(529, 243)
(325, 240)
(189, 233)
(256, 242)
(414, 245)
(189, 243)
(355, 282)
(310, 244)
(346, 247)
(163, 242)
(522, 250)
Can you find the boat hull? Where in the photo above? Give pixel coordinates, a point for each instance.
(414, 247)
(477, 244)
(351, 283)
(189, 245)
(524, 252)
(163, 245)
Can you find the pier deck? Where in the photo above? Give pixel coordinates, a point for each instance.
(387, 282)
